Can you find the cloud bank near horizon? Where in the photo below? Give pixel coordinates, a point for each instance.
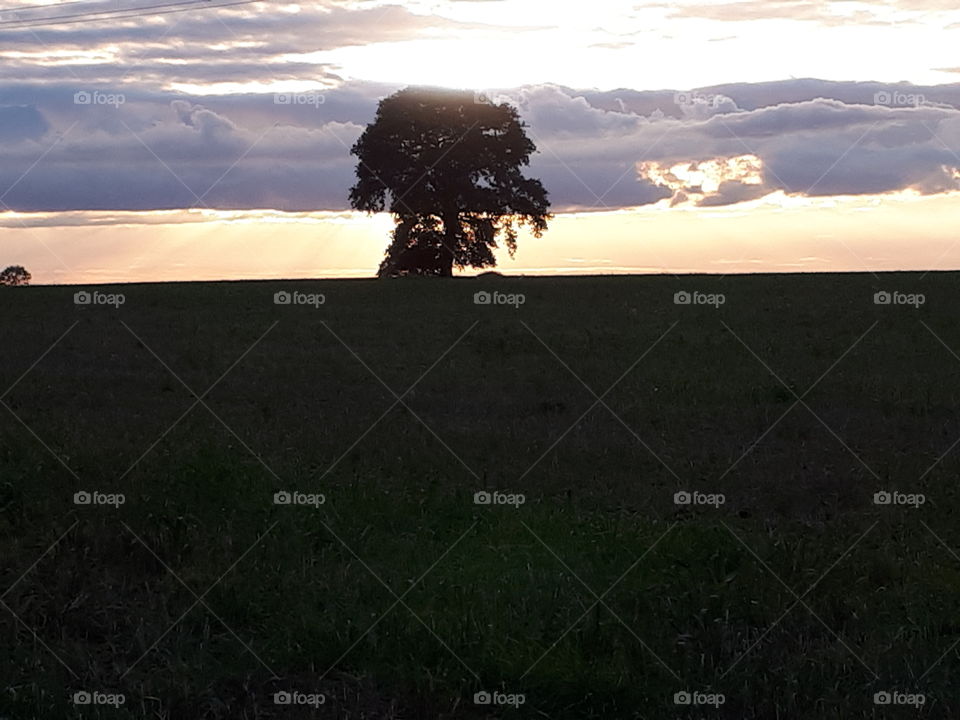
(715, 146)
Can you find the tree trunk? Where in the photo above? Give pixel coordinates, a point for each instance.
(451, 226)
(446, 264)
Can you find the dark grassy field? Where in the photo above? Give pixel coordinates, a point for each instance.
(798, 399)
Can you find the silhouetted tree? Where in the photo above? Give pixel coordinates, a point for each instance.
(451, 166)
(15, 275)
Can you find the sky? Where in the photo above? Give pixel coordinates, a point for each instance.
(145, 140)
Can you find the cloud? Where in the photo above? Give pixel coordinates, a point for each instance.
(731, 192)
(260, 42)
(823, 147)
(21, 122)
(180, 156)
(752, 96)
(160, 150)
(887, 12)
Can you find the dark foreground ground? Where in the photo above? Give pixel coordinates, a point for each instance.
(399, 596)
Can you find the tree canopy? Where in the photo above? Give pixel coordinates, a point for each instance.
(448, 166)
(15, 275)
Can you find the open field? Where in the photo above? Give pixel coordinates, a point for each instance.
(597, 399)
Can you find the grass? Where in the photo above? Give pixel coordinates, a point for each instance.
(399, 597)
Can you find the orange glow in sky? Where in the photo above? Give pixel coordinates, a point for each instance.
(774, 234)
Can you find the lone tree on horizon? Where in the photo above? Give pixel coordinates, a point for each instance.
(452, 167)
(15, 275)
